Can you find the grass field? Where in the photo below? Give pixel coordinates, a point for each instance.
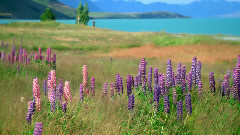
(107, 53)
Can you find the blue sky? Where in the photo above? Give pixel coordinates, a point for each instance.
(174, 1)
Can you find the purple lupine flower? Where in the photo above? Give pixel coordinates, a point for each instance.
(38, 129)
(40, 51)
(59, 91)
(200, 89)
(64, 107)
(156, 86)
(150, 79)
(178, 76)
(173, 79)
(32, 107)
(81, 92)
(169, 75)
(237, 80)
(183, 72)
(188, 103)
(54, 60)
(29, 117)
(130, 102)
(174, 96)
(226, 91)
(105, 90)
(139, 74)
(129, 85)
(161, 81)
(132, 81)
(45, 87)
(198, 72)
(36, 56)
(143, 67)
(189, 81)
(3, 56)
(117, 84)
(111, 90)
(155, 78)
(193, 69)
(183, 86)
(52, 100)
(136, 82)
(166, 104)
(93, 86)
(179, 109)
(212, 82)
(120, 81)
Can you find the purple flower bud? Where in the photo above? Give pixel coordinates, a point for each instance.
(136, 82)
(81, 92)
(169, 75)
(183, 72)
(129, 85)
(188, 103)
(236, 82)
(183, 86)
(166, 104)
(130, 102)
(117, 84)
(179, 109)
(59, 91)
(111, 89)
(226, 91)
(150, 79)
(45, 87)
(161, 83)
(189, 81)
(198, 72)
(64, 107)
(120, 81)
(174, 96)
(193, 69)
(29, 117)
(38, 129)
(179, 73)
(212, 82)
(52, 100)
(173, 79)
(93, 86)
(105, 90)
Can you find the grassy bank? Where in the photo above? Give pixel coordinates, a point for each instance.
(78, 45)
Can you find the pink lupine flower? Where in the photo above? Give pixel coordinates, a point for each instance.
(85, 76)
(67, 92)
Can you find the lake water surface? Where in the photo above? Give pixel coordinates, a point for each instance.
(223, 26)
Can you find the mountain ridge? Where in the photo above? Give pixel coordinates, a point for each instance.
(197, 9)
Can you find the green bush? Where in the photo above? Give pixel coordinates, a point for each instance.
(47, 15)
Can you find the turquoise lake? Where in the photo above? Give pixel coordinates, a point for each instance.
(209, 26)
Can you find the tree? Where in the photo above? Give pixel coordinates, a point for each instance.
(48, 15)
(82, 14)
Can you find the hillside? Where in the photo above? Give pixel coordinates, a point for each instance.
(32, 9)
(138, 15)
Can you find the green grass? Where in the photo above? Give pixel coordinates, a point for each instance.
(211, 115)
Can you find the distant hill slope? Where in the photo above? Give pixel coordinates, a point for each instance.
(32, 9)
(138, 15)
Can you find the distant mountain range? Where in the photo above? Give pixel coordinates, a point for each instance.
(202, 8)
